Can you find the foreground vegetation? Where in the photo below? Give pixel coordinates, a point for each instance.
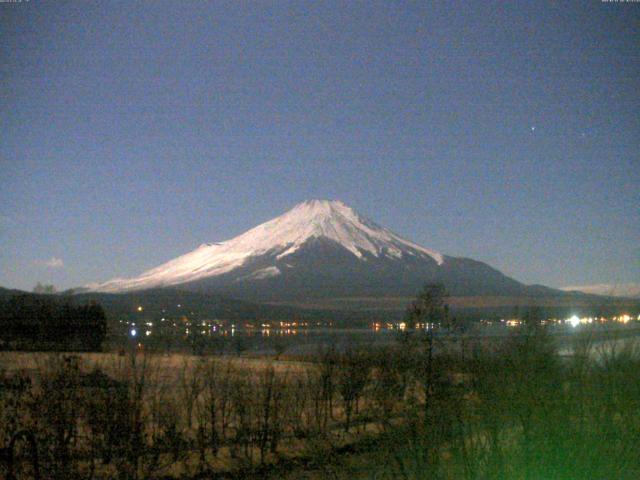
(464, 410)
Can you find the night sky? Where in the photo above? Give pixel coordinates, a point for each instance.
(131, 132)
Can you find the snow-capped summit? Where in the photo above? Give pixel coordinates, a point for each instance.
(332, 220)
(273, 242)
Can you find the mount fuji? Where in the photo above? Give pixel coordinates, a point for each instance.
(319, 249)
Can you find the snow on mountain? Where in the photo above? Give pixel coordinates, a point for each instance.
(282, 236)
(631, 290)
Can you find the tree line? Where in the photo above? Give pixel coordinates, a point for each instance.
(33, 322)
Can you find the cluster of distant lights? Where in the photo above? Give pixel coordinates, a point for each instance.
(214, 326)
(134, 331)
(402, 326)
(291, 327)
(574, 320)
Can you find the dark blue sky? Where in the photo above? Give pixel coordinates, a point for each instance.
(508, 132)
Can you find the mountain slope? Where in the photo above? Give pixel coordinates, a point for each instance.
(277, 239)
(320, 249)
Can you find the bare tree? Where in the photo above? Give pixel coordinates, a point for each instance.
(352, 373)
(191, 386)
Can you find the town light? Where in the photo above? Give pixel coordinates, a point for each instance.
(574, 321)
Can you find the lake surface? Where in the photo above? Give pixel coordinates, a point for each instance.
(602, 338)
